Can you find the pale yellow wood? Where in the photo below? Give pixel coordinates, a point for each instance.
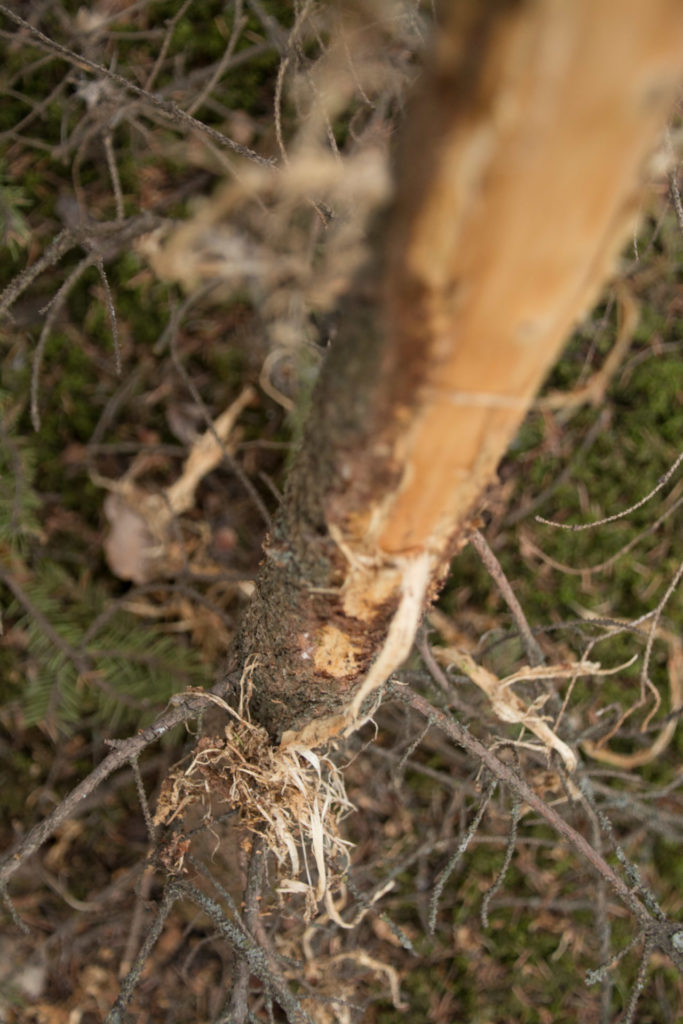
(509, 221)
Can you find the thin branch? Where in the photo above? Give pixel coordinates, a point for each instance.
(587, 570)
(143, 891)
(111, 310)
(458, 854)
(597, 429)
(114, 175)
(599, 973)
(531, 647)
(405, 756)
(13, 912)
(124, 751)
(443, 680)
(663, 933)
(117, 1014)
(602, 923)
(257, 958)
(656, 615)
(238, 24)
(223, 893)
(639, 983)
(166, 107)
(236, 1010)
(630, 870)
(277, 106)
(142, 797)
(53, 309)
(278, 36)
(576, 527)
(507, 859)
(163, 49)
(59, 245)
(37, 108)
(230, 460)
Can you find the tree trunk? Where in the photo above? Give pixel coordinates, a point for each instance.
(517, 180)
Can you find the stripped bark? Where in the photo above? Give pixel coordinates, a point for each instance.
(517, 180)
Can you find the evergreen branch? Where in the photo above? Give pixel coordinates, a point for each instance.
(69, 652)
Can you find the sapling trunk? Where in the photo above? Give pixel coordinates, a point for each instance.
(517, 179)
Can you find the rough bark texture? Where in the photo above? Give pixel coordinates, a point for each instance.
(517, 180)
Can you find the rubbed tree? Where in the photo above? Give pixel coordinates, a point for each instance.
(517, 179)
(517, 174)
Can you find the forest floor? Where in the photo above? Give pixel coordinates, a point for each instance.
(155, 276)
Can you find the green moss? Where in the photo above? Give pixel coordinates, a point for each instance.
(622, 466)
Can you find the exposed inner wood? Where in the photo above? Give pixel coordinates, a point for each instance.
(517, 180)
